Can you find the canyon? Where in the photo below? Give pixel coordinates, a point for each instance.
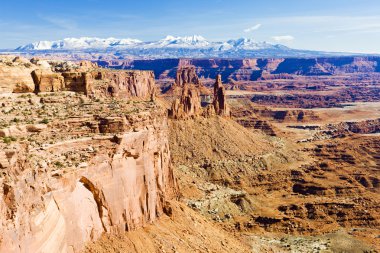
(247, 69)
(183, 155)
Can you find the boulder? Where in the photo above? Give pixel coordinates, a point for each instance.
(36, 128)
(13, 131)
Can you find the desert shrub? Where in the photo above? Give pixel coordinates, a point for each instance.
(44, 121)
(9, 139)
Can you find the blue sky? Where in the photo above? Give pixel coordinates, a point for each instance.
(331, 25)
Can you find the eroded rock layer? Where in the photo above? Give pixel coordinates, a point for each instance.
(253, 69)
(188, 105)
(19, 75)
(186, 75)
(125, 83)
(95, 167)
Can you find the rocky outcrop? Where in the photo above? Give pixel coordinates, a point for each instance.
(78, 82)
(186, 75)
(344, 129)
(255, 123)
(363, 127)
(125, 84)
(15, 75)
(188, 105)
(47, 81)
(220, 101)
(20, 75)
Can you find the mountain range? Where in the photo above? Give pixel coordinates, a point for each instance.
(171, 47)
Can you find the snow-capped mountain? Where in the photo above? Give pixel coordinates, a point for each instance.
(169, 41)
(79, 43)
(170, 47)
(194, 41)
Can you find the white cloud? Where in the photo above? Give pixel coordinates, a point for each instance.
(253, 28)
(61, 23)
(283, 38)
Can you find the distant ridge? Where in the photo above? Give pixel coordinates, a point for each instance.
(194, 46)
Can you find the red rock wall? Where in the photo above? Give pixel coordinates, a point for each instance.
(47, 81)
(78, 81)
(126, 84)
(122, 188)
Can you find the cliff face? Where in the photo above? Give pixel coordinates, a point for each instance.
(93, 168)
(47, 81)
(127, 84)
(78, 81)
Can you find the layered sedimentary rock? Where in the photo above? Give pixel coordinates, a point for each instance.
(255, 123)
(15, 75)
(126, 84)
(344, 129)
(19, 75)
(78, 82)
(188, 105)
(363, 127)
(47, 81)
(220, 101)
(253, 69)
(310, 100)
(70, 184)
(186, 75)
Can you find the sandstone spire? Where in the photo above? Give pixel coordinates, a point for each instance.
(189, 104)
(220, 102)
(187, 75)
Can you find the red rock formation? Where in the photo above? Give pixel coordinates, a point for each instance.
(47, 81)
(126, 84)
(220, 101)
(188, 106)
(255, 123)
(57, 208)
(87, 65)
(78, 82)
(21, 75)
(310, 100)
(187, 75)
(15, 75)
